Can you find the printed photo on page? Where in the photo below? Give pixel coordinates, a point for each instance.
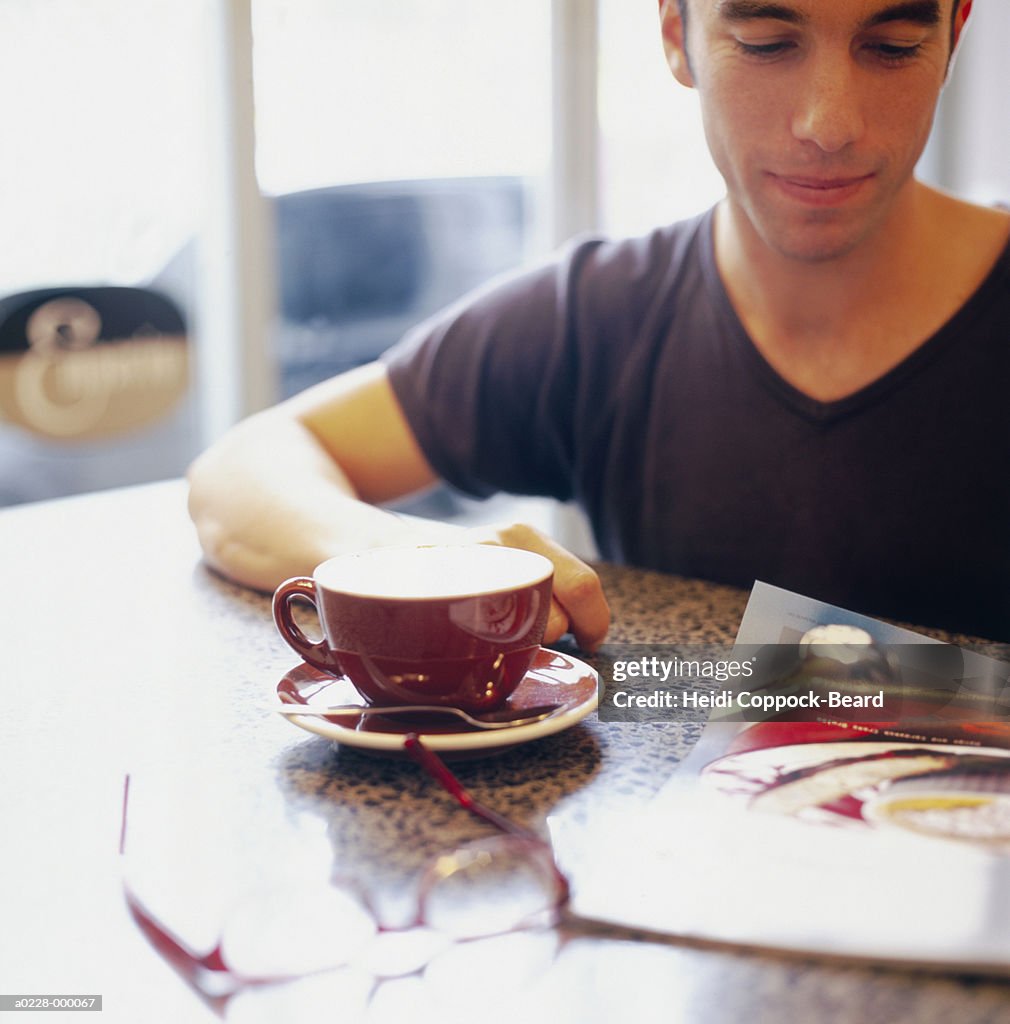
(848, 797)
(928, 756)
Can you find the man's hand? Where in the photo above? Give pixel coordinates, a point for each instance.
(579, 605)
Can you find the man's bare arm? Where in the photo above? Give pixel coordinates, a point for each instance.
(289, 487)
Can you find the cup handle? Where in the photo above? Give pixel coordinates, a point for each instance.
(318, 654)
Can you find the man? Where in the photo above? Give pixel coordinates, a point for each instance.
(803, 385)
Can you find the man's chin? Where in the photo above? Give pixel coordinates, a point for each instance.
(818, 235)
(808, 236)
(814, 243)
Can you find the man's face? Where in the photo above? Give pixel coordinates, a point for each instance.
(816, 111)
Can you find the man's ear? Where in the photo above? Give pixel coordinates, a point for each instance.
(959, 20)
(674, 43)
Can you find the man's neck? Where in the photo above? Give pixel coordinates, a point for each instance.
(830, 327)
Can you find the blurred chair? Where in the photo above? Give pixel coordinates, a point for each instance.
(359, 265)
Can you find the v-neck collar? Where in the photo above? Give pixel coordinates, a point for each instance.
(819, 411)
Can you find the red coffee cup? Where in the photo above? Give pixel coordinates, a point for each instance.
(453, 625)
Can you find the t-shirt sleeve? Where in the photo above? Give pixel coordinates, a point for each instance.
(488, 386)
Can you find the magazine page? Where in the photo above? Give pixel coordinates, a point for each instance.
(849, 795)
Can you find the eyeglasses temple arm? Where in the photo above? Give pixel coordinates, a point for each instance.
(440, 772)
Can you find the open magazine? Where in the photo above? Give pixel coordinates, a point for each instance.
(875, 827)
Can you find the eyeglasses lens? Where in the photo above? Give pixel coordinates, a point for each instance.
(490, 888)
(286, 931)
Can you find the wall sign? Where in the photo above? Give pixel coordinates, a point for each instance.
(90, 363)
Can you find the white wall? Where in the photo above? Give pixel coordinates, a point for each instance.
(970, 153)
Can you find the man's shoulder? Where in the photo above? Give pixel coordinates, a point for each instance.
(654, 247)
(605, 270)
(971, 239)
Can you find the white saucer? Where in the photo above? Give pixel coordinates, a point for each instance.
(554, 678)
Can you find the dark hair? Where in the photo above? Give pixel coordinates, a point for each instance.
(953, 27)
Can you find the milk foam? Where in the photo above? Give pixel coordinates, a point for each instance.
(432, 571)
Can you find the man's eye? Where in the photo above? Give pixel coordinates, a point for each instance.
(892, 53)
(776, 49)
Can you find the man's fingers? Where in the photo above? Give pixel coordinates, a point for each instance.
(557, 623)
(579, 591)
(581, 606)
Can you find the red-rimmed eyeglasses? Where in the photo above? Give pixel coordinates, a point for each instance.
(502, 884)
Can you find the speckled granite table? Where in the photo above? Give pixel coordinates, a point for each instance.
(121, 653)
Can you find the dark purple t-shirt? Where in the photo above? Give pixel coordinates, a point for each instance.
(621, 377)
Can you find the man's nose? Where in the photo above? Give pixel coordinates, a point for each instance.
(827, 111)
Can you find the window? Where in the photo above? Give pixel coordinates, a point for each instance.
(655, 166)
(101, 182)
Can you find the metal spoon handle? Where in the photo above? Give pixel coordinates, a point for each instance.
(514, 718)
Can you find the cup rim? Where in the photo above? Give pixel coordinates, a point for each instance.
(546, 572)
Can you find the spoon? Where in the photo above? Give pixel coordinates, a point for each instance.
(506, 718)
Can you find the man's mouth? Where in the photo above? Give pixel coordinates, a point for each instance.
(821, 190)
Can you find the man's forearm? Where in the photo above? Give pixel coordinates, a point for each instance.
(269, 503)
